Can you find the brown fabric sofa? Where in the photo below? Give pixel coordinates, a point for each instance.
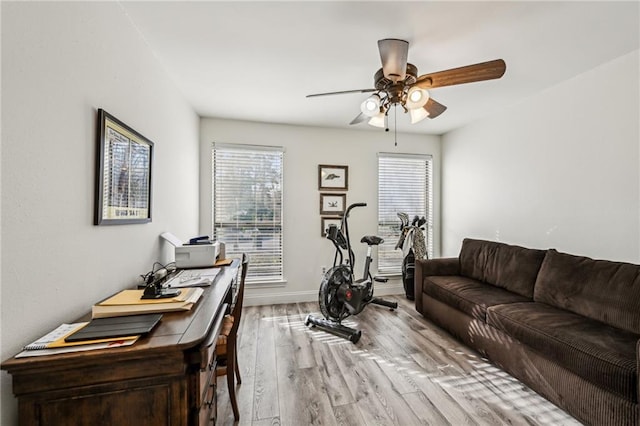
(567, 326)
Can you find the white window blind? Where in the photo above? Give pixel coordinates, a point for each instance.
(247, 206)
(404, 185)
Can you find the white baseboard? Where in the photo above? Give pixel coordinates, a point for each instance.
(280, 297)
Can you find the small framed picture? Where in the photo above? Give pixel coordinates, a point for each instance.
(333, 178)
(332, 204)
(326, 221)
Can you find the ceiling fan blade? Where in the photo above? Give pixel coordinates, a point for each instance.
(342, 92)
(359, 119)
(478, 72)
(393, 54)
(434, 108)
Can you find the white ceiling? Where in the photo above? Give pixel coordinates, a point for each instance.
(258, 60)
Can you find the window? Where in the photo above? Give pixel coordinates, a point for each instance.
(247, 206)
(404, 185)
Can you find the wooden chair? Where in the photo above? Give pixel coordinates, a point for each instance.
(226, 347)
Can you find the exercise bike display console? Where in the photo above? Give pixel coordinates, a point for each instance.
(341, 295)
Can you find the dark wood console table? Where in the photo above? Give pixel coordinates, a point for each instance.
(165, 378)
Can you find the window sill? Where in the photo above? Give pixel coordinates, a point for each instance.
(267, 284)
(389, 274)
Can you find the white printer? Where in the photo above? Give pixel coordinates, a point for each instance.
(195, 254)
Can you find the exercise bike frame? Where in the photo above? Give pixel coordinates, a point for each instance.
(353, 295)
(343, 242)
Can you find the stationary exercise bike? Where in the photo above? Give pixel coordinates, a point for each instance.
(340, 295)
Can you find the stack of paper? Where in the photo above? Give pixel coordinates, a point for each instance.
(54, 342)
(129, 302)
(193, 278)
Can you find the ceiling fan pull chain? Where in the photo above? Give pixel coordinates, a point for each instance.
(395, 124)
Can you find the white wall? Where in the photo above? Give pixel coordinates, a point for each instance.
(61, 61)
(561, 169)
(305, 251)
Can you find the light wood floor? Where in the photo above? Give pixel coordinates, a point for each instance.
(403, 371)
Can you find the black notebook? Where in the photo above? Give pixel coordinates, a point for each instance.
(104, 328)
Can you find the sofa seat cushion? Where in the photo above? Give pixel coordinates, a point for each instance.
(468, 295)
(511, 267)
(602, 290)
(599, 353)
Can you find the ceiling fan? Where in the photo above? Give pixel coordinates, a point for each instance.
(398, 83)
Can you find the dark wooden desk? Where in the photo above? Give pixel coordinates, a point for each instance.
(165, 378)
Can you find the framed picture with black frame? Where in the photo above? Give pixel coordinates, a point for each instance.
(123, 173)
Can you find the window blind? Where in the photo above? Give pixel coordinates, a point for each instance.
(247, 206)
(404, 185)
(126, 176)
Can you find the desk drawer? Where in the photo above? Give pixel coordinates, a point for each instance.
(202, 356)
(206, 379)
(203, 377)
(209, 409)
(206, 405)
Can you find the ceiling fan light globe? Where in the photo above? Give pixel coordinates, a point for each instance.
(371, 106)
(417, 98)
(378, 120)
(418, 114)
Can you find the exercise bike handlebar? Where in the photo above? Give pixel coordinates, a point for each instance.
(345, 227)
(354, 205)
(340, 238)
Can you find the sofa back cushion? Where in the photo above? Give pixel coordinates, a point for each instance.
(602, 290)
(513, 268)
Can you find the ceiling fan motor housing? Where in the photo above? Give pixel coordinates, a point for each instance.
(396, 93)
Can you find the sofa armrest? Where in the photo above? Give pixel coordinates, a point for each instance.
(638, 367)
(429, 268)
(441, 266)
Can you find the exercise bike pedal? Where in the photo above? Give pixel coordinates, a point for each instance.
(391, 305)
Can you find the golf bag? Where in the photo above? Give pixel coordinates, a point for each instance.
(408, 274)
(413, 245)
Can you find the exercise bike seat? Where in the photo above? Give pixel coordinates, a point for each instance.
(372, 240)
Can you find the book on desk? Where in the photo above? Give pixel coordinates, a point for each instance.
(100, 333)
(58, 341)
